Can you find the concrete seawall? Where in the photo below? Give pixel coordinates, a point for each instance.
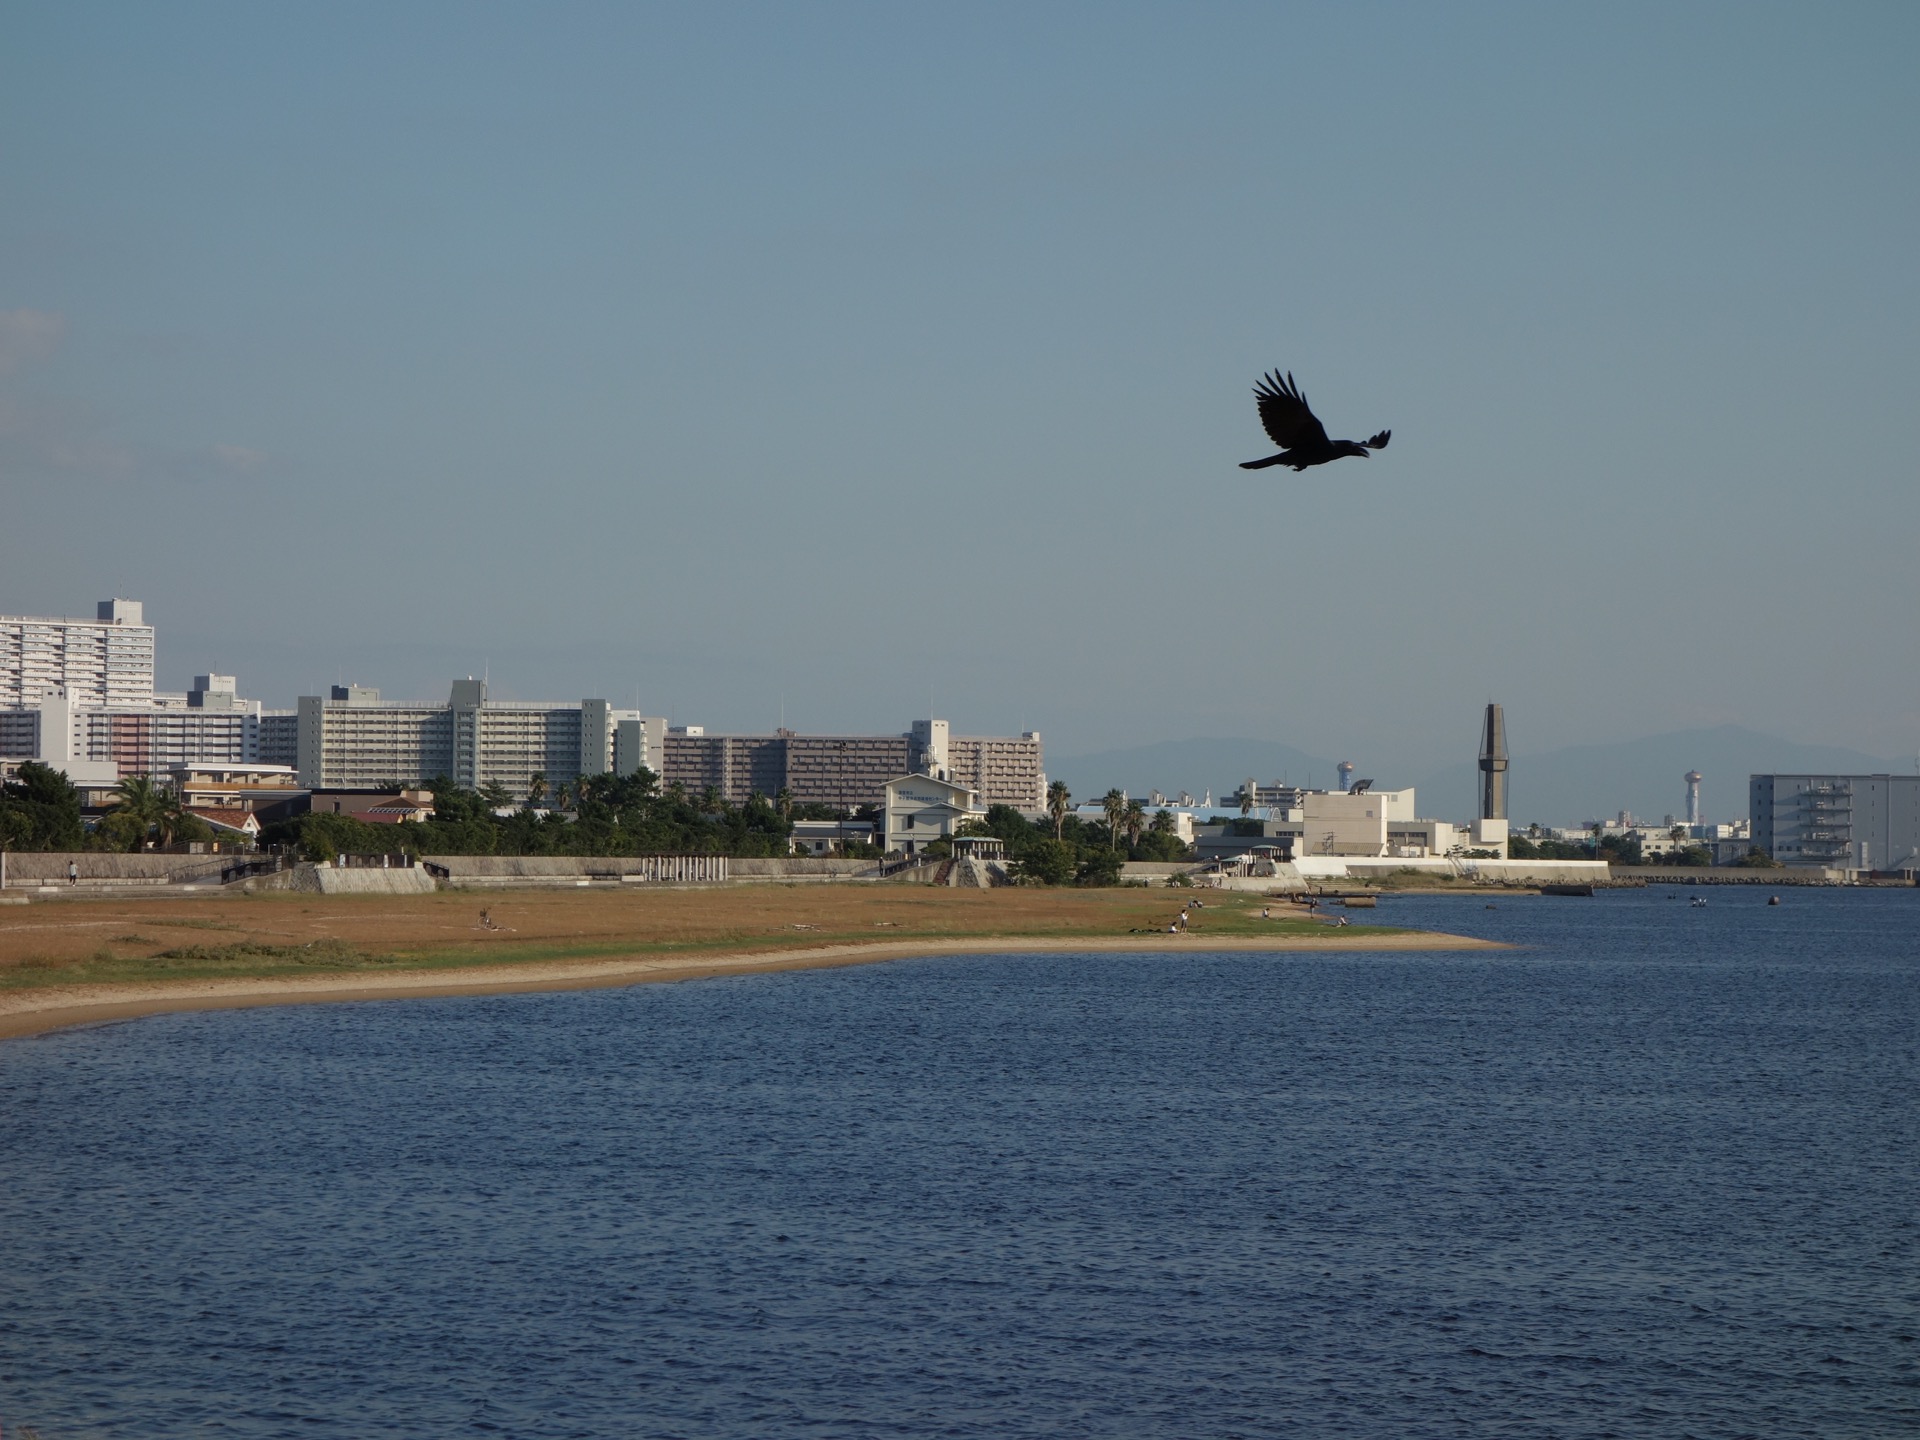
(107, 867)
(1726, 875)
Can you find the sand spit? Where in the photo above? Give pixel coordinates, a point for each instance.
(32, 1012)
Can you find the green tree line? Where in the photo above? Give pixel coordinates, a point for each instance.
(1065, 848)
(40, 810)
(610, 815)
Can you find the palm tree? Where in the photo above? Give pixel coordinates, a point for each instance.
(1162, 822)
(1114, 802)
(140, 800)
(784, 799)
(536, 789)
(1059, 801)
(169, 818)
(1135, 819)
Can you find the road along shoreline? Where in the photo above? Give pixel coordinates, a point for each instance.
(36, 1011)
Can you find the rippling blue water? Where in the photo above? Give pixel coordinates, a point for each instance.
(1652, 1174)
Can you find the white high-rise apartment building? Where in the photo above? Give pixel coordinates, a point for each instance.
(100, 662)
(80, 692)
(351, 739)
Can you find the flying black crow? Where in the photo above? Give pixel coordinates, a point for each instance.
(1293, 427)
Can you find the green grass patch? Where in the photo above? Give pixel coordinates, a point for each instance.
(244, 960)
(249, 955)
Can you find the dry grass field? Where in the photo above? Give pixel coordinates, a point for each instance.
(120, 940)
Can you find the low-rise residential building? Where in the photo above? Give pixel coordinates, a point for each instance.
(831, 837)
(229, 786)
(227, 822)
(409, 807)
(376, 806)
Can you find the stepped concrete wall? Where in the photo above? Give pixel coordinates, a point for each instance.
(1727, 875)
(805, 868)
(1157, 872)
(536, 871)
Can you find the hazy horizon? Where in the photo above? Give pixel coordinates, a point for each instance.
(842, 364)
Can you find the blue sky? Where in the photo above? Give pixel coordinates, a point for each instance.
(825, 361)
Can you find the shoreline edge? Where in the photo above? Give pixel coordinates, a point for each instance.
(25, 1013)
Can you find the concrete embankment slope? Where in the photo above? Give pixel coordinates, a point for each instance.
(326, 880)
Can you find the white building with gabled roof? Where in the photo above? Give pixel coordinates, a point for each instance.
(920, 809)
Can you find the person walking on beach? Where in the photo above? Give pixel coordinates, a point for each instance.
(73, 873)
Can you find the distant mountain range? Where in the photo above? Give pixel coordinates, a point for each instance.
(1556, 787)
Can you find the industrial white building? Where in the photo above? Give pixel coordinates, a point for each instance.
(1844, 822)
(1359, 823)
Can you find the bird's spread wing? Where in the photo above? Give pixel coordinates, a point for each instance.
(1284, 413)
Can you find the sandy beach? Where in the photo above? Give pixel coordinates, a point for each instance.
(30, 1012)
(86, 961)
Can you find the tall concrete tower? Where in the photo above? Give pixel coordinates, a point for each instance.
(1693, 797)
(1493, 766)
(1346, 774)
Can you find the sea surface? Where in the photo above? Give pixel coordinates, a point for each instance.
(1655, 1172)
